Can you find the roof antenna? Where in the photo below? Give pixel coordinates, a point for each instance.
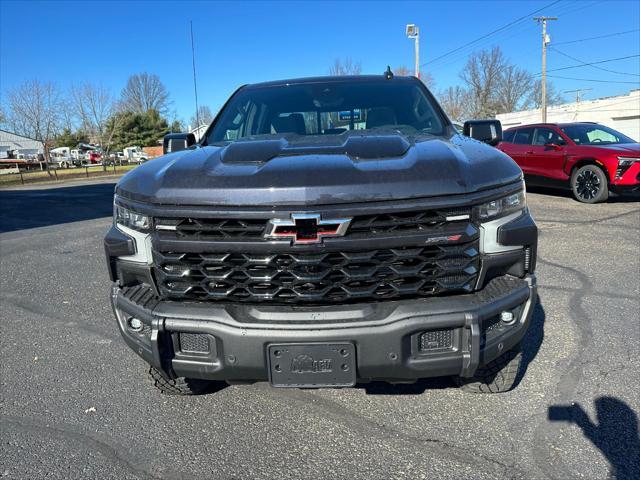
(388, 74)
(195, 86)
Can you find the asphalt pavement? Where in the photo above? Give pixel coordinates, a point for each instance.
(75, 402)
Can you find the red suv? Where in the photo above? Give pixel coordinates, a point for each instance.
(589, 158)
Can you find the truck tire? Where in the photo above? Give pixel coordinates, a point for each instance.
(589, 184)
(181, 385)
(497, 376)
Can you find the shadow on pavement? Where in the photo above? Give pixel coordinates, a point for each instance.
(22, 209)
(615, 434)
(532, 340)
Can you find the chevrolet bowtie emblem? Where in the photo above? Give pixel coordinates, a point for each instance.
(306, 228)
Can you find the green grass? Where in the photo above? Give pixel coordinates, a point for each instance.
(62, 174)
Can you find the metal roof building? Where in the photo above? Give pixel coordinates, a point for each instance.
(11, 142)
(621, 113)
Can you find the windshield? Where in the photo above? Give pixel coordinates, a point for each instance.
(588, 134)
(329, 108)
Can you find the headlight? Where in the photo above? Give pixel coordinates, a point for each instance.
(502, 206)
(627, 161)
(132, 220)
(624, 163)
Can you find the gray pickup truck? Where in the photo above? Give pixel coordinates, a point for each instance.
(326, 232)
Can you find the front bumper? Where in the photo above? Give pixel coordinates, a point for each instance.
(386, 335)
(627, 183)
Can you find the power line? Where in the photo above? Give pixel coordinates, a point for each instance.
(490, 33)
(561, 10)
(593, 80)
(598, 37)
(593, 63)
(584, 64)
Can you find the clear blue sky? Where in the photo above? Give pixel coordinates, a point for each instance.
(243, 42)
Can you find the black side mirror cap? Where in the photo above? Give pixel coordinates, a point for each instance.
(487, 131)
(174, 142)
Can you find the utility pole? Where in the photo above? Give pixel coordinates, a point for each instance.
(578, 92)
(578, 98)
(545, 40)
(414, 32)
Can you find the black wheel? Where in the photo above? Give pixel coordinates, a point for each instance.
(182, 385)
(589, 184)
(497, 376)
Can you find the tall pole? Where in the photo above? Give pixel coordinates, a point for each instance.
(545, 41)
(195, 85)
(414, 32)
(417, 42)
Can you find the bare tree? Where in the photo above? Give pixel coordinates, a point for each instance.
(482, 75)
(427, 79)
(68, 115)
(94, 105)
(345, 67)
(455, 102)
(512, 89)
(534, 100)
(112, 125)
(145, 92)
(204, 116)
(34, 111)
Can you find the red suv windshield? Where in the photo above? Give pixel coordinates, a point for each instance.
(588, 134)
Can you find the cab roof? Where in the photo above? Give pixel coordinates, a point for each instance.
(548, 124)
(332, 79)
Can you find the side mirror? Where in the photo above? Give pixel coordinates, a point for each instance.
(487, 131)
(174, 142)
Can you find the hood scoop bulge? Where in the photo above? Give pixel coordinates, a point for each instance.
(357, 147)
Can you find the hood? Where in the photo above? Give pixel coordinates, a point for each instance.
(304, 170)
(621, 148)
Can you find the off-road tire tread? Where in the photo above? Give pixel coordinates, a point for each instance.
(179, 386)
(498, 376)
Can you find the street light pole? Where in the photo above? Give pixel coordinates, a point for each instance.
(414, 32)
(545, 41)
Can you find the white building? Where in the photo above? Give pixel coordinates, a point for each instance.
(17, 146)
(621, 113)
(198, 132)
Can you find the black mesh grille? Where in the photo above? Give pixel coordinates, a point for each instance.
(319, 278)
(211, 228)
(436, 340)
(251, 229)
(194, 342)
(405, 221)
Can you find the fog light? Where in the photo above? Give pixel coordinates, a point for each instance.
(135, 324)
(507, 317)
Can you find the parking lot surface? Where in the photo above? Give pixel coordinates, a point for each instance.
(75, 403)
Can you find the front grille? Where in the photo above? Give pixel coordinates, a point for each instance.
(318, 278)
(211, 228)
(226, 229)
(411, 221)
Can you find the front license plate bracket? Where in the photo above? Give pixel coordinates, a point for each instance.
(312, 365)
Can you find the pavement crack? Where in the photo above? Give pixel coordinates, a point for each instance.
(114, 453)
(362, 423)
(588, 222)
(610, 295)
(568, 382)
(23, 304)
